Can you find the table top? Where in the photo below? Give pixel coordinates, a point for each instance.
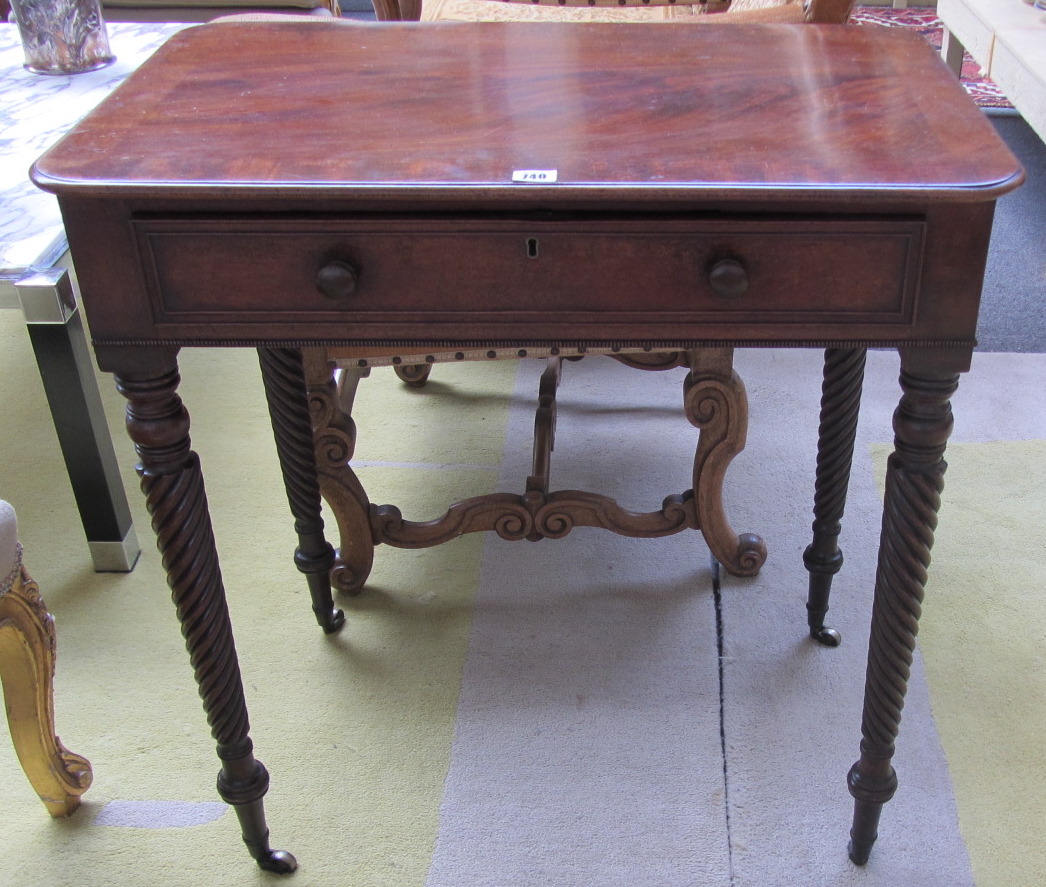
(344, 111)
(35, 111)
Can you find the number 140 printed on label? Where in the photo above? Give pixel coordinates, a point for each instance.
(534, 176)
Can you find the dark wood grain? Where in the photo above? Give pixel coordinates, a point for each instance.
(836, 434)
(317, 108)
(292, 185)
(172, 482)
(914, 482)
(285, 388)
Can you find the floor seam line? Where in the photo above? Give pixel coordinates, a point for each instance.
(717, 601)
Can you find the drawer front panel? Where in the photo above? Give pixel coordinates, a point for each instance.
(780, 271)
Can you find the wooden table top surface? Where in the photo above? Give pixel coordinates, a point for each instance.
(673, 111)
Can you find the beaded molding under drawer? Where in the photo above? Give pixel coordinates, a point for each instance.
(363, 358)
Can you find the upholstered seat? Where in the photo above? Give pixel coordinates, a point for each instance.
(201, 10)
(697, 11)
(27, 657)
(207, 10)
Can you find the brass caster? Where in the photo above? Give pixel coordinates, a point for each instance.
(825, 636)
(330, 620)
(279, 861)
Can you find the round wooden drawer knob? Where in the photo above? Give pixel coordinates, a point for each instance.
(336, 280)
(728, 279)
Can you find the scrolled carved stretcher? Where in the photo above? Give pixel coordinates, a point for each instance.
(714, 401)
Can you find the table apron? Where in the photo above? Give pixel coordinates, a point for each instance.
(199, 274)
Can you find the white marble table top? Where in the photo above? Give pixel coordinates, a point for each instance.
(35, 111)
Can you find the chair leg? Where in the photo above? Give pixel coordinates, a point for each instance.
(27, 659)
(334, 440)
(715, 401)
(346, 383)
(413, 374)
(545, 427)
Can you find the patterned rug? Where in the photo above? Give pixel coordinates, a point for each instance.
(923, 19)
(983, 91)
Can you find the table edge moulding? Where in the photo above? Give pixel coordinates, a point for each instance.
(702, 190)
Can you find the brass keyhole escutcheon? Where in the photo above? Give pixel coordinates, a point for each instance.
(336, 280)
(728, 278)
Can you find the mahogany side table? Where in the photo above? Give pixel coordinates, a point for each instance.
(300, 185)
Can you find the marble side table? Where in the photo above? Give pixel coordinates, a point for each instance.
(36, 275)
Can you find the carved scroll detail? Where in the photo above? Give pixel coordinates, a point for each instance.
(715, 401)
(505, 513)
(27, 665)
(334, 436)
(533, 516)
(656, 360)
(413, 374)
(567, 509)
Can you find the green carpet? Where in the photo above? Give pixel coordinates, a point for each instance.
(983, 639)
(449, 674)
(124, 693)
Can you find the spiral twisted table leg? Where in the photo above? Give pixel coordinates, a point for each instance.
(840, 405)
(173, 485)
(285, 392)
(914, 480)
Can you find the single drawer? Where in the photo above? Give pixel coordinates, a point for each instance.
(384, 270)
